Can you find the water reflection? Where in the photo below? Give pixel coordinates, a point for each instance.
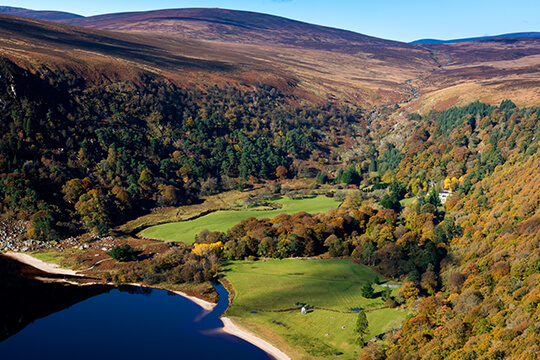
(24, 299)
(105, 323)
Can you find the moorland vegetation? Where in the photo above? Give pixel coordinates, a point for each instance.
(82, 156)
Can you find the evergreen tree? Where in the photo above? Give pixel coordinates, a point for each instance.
(390, 201)
(433, 198)
(367, 290)
(387, 293)
(361, 328)
(322, 177)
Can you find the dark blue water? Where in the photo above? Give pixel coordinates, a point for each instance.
(127, 325)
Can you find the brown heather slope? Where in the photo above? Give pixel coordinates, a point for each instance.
(487, 71)
(36, 14)
(361, 69)
(201, 47)
(100, 55)
(360, 78)
(233, 26)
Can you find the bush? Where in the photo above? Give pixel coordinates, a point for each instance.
(367, 291)
(123, 253)
(391, 303)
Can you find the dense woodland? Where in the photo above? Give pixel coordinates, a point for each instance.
(77, 156)
(470, 267)
(72, 153)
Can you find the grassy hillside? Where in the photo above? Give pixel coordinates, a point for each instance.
(261, 288)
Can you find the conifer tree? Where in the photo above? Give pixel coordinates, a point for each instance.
(361, 328)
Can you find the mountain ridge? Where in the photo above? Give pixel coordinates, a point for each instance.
(479, 38)
(48, 15)
(365, 71)
(319, 72)
(230, 25)
(119, 21)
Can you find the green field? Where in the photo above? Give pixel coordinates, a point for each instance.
(223, 220)
(407, 201)
(265, 286)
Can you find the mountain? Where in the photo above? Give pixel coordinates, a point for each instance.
(39, 15)
(512, 35)
(316, 62)
(338, 60)
(311, 71)
(100, 126)
(231, 26)
(97, 54)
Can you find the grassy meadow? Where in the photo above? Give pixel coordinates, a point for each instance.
(65, 259)
(185, 231)
(333, 287)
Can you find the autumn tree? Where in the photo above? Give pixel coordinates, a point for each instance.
(281, 172)
(408, 292)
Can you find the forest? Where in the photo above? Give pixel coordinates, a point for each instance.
(78, 157)
(72, 154)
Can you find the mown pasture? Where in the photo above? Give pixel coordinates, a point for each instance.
(186, 231)
(266, 293)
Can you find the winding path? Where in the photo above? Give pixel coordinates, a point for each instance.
(93, 266)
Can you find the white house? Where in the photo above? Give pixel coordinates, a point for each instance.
(444, 195)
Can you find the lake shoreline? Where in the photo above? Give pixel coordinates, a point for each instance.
(229, 327)
(39, 264)
(206, 305)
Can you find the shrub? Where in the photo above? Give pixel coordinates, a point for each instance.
(123, 253)
(367, 291)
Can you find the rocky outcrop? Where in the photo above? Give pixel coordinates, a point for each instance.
(11, 233)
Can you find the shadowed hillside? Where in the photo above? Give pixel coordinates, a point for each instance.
(38, 15)
(314, 63)
(232, 26)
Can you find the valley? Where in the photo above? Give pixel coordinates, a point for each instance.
(294, 163)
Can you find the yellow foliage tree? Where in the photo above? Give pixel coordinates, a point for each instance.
(208, 249)
(408, 291)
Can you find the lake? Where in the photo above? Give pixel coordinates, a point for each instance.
(118, 323)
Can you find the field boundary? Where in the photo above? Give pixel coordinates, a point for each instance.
(314, 308)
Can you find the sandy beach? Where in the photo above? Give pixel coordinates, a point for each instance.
(55, 269)
(41, 265)
(233, 329)
(206, 305)
(229, 326)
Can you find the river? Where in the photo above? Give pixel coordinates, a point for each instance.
(40, 321)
